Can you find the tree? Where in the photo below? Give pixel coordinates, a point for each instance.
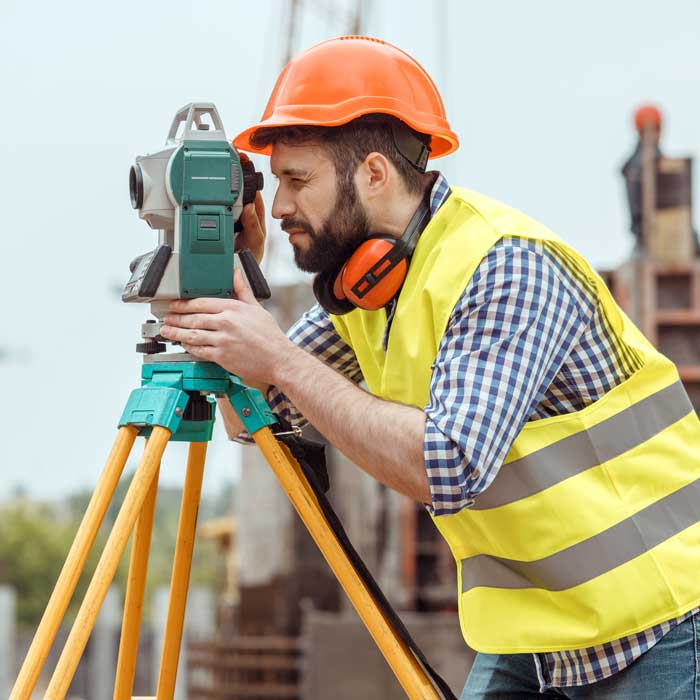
(33, 547)
(35, 539)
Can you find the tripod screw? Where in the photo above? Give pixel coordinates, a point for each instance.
(246, 412)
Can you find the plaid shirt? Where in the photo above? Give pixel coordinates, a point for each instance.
(527, 340)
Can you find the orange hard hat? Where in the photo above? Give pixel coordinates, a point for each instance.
(341, 79)
(647, 114)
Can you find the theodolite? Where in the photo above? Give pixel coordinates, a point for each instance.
(193, 192)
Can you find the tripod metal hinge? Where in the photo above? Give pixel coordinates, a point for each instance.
(249, 405)
(161, 401)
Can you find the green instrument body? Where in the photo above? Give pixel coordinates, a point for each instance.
(206, 180)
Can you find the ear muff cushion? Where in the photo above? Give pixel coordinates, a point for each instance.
(323, 291)
(363, 259)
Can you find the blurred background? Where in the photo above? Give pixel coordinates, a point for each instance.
(542, 95)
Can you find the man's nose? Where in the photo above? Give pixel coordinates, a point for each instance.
(282, 206)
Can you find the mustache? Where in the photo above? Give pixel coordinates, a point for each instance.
(291, 224)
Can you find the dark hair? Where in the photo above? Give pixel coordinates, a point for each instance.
(349, 144)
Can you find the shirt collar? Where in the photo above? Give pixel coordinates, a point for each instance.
(439, 193)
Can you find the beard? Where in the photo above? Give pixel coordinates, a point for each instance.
(345, 228)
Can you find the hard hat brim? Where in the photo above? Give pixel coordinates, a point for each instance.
(442, 142)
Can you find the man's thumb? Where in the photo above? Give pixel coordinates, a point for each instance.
(241, 288)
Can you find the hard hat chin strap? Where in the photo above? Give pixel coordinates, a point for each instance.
(410, 146)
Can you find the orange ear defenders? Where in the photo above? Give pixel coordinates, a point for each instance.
(373, 275)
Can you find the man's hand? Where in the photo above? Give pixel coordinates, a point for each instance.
(253, 234)
(237, 334)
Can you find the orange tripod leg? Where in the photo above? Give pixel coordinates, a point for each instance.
(408, 671)
(107, 566)
(133, 601)
(182, 564)
(74, 565)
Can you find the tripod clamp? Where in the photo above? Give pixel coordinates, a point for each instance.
(176, 393)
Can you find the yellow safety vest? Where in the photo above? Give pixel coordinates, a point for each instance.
(591, 529)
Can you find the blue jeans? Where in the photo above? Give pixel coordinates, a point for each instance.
(670, 670)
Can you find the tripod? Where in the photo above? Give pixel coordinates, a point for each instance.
(175, 402)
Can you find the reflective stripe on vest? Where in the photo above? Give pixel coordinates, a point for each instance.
(591, 529)
(576, 453)
(582, 562)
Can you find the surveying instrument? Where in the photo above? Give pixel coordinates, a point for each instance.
(193, 192)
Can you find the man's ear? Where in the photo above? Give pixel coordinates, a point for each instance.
(373, 175)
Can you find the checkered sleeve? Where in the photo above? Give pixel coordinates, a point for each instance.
(315, 333)
(508, 335)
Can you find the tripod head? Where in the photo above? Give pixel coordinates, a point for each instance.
(192, 192)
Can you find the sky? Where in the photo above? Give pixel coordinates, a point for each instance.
(541, 94)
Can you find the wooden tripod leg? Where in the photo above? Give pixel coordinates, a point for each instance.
(107, 566)
(74, 565)
(133, 601)
(408, 671)
(182, 564)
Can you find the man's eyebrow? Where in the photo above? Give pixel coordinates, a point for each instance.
(295, 172)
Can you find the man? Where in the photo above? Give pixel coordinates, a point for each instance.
(646, 115)
(555, 448)
(673, 192)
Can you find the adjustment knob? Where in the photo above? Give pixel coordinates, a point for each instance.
(150, 347)
(252, 180)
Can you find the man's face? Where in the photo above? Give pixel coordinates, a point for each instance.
(324, 218)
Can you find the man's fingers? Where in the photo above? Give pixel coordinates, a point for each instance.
(241, 288)
(209, 322)
(202, 305)
(259, 207)
(248, 216)
(189, 336)
(253, 221)
(254, 213)
(203, 352)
